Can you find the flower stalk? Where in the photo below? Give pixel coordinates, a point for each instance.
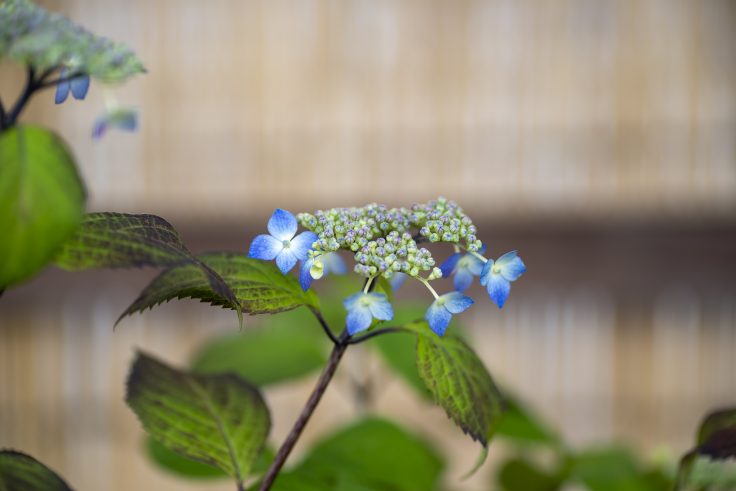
(324, 380)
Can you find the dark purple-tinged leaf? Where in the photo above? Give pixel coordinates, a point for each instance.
(258, 286)
(21, 472)
(220, 420)
(717, 434)
(716, 441)
(120, 240)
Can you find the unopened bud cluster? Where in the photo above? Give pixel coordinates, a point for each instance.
(382, 239)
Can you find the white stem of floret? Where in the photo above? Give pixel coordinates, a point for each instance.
(478, 256)
(368, 284)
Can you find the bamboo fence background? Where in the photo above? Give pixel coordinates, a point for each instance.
(570, 116)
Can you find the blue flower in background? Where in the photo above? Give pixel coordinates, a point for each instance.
(497, 276)
(464, 266)
(316, 268)
(363, 308)
(78, 87)
(442, 309)
(281, 243)
(397, 280)
(121, 118)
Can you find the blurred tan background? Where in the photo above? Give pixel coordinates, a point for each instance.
(597, 137)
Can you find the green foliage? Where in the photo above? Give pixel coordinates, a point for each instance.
(710, 465)
(180, 466)
(717, 434)
(615, 469)
(372, 454)
(517, 474)
(288, 346)
(21, 472)
(220, 420)
(33, 36)
(713, 475)
(459, 382)
(258, 286)
(121, 240)
(41, 200)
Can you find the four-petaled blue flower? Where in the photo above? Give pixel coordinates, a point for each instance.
(497, 276)
(363, 308)
(442, 309)
(281, 244)
(464, 267)
(78, 87)
(314, 269)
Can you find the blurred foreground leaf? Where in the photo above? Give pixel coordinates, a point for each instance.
(517, 474)
(615, 469)
(288, 346)
(41, 200)
(372, 454)
(220, 420)
(21, 472)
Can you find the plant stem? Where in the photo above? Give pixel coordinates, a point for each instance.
(373, 334)
(301, 422)
(324, 325)
(2, 115)
(28, 90)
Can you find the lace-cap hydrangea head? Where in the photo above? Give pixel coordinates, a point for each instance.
(386, 242)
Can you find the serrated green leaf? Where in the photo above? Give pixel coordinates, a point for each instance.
(220, 420)
(32, 35)
(459, 382)
(21, 472)
(122, 240)
(258, 286)
(181, 466)
(288, 346)
(41, 200)
(373, 454)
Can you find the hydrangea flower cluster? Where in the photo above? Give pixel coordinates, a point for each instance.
(385, 242)
(34, 36)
